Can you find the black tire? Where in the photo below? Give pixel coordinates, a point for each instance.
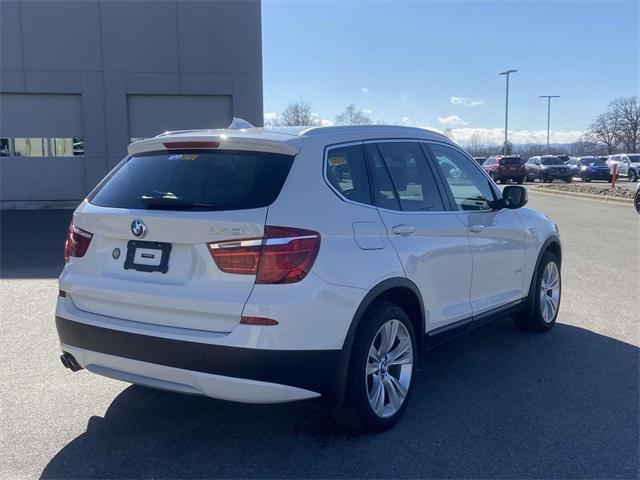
(568, 180)
(632, 176)
(356, 412)
(520, 181)
(636, 201)
(586, 179)
(531, 318)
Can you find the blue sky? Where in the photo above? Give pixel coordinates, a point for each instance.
(405, 61)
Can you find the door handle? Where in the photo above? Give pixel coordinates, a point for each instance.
(476, 228)
(403, 229)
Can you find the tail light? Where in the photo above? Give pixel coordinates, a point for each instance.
(78, 241)
(283, 255)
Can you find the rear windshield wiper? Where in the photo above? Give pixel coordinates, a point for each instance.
(174, 203)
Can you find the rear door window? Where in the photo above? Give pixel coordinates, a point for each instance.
(383, 192)
(347, 173)
(412, 179)
(195, 180)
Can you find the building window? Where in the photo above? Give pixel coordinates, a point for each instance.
(41, 147)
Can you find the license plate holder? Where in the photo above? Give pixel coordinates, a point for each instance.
(143, 251)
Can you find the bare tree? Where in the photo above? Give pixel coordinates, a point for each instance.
(352, 116)
(475, 144)
(605, 131)
(298, 114)
(626, 112)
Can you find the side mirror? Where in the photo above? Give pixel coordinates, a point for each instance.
(514, 196)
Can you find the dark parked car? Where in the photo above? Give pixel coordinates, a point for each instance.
(590, 168)
(548, 168)
(504, 168)
(480, 160)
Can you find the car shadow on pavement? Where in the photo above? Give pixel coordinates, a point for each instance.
(32, 242)
(496, 403)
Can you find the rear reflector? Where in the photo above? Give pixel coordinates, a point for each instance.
(257, 321)
(77, 243)
(283, 255)
(188, 145)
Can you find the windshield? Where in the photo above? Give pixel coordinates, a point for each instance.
(195, 180)
(551, 161)
(592, 162)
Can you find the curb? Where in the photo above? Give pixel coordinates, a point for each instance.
(590, 196)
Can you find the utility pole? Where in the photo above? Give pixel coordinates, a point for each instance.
(506, 107)
(548, 97)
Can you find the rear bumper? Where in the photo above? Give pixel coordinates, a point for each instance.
(219, 371)
(509, 176)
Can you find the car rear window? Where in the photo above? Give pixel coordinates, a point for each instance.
(194, 180)
(552, 161)
(510, 161)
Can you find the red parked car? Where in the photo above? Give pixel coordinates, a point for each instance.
(505, 167)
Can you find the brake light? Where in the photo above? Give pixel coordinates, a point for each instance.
(77, 243)
(187, 145)
(282, 255)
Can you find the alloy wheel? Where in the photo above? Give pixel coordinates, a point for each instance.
(549, 292)
(389, 368)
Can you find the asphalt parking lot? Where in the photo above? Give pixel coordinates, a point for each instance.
(496, 403)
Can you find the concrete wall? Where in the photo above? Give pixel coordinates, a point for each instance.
(106, 71)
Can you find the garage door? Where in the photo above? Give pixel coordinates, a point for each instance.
(41, 147)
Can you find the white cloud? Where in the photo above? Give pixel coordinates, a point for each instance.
(495, 136)
(469, 102)
(270, 119)
(406, 120)
(365, 90)
(367, 111)
(452, 121)
(326, 122)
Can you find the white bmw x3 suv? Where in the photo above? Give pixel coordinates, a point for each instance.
(263, 266)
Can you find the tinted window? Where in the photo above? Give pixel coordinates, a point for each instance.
(470, 188)
(191, 180)
(552, 161)
(510, 161)
(592, 162)
(347, 172)
(411, 177)
(383, 192)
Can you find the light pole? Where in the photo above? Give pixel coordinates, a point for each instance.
(506, 107)
(548, 97)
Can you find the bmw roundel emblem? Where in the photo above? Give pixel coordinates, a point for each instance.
(138, 228)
